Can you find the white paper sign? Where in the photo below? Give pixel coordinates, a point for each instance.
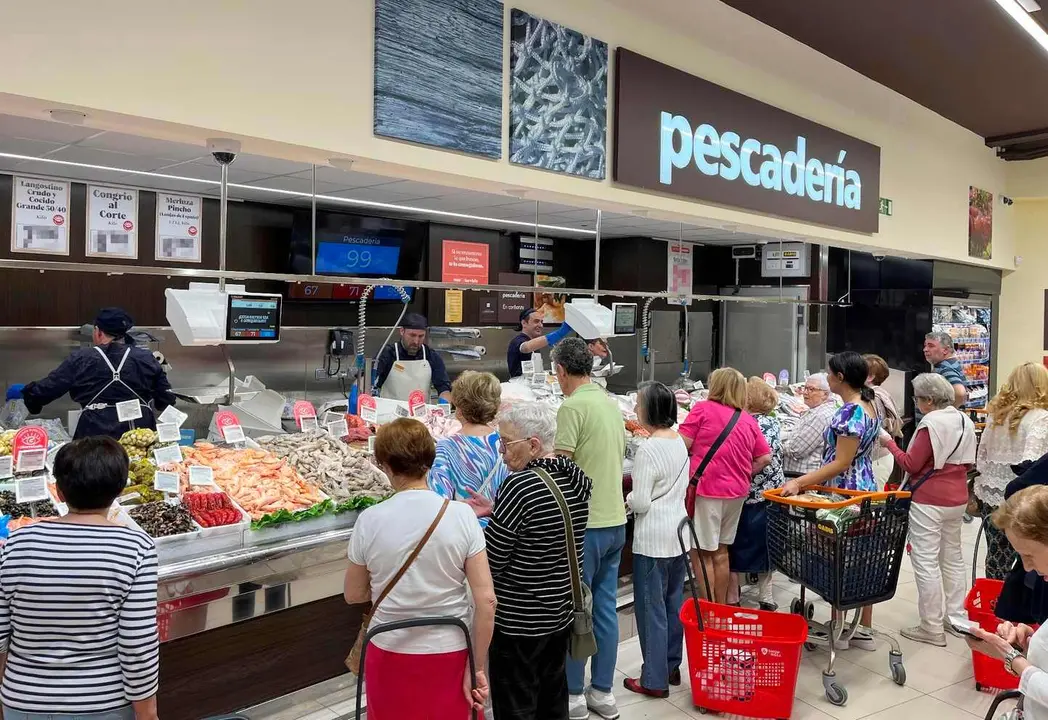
(167, 455)
(339, 428)
(201, 475)
(167, 432)
(6, 466)
(172, 414)
(31, 489)
(166, 482)
(112, 222)
(309, 423)
(40, 216)
(527, 367)
(178, 227)
(330, 417)
(233, 433)
(371, 445)
(679, 270)
(400, 411)
(128, 410)
(30, 461)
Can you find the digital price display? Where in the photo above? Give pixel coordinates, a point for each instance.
(625, 318)
(252, 318)
(358, 255)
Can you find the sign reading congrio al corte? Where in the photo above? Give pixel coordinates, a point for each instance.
(680, 134)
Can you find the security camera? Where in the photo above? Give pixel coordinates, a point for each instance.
(1007, 200)
(224, 150)
(879, 256)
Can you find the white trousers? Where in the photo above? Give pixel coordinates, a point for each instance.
(938, 565)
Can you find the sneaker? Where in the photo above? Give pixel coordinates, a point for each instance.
(675, 677)
(602, 703)
(919, 634)
(863, 640)
(577, 709)
(769, 606)
(634, 686)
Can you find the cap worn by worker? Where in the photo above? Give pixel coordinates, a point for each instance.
(414, 321)
(113, 322)
(524, 315)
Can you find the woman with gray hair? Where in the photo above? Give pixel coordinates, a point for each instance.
(936, 464)
(527, 551)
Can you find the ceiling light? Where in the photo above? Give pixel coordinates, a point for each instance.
(1030, 5)
(1027, 23)
(341, 163)
(69, 117)
(294, 193)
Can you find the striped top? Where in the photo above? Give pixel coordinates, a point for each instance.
(467, 462)
(527, 548)
(660, 481)
(78, 618)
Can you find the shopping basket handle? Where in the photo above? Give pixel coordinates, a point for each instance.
(687, 523)
(854, 497)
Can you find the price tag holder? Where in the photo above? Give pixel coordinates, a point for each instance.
(166, 482)
(371, 445)
(172, 414)
(417, 405)
(527, 367)
(368, 409)
(438, 411)
(31, 461)
(128, 410)
(168, 433)
(168, 455)
(228, 425)
(31, 489)
(303, 411)
(330, 417)
(233, 434)
(125, 499)
(339, 428)
(7, 468)
(201, 475)
(309, 424)
(401, 411)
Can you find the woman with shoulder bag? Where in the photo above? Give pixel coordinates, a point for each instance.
(414, 556)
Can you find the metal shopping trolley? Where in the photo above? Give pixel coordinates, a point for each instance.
(848, 550)
(741, 661)
(419, 622)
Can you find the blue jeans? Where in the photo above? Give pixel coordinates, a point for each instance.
(124, 713)
(658, 593)
(600, 570)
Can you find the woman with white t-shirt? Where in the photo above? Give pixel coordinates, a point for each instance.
(660, 479)
(429, 661)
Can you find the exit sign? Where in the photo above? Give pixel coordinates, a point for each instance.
(886, 207)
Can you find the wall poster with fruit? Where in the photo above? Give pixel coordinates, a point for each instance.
(980, 223)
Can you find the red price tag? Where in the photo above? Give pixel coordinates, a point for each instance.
(228, 424)
(303, 409)
(417, 404)
(29, 449)
(368, 409)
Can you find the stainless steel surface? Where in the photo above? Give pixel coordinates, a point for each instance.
(700, 344)
(223, 222)
(232, 394)
(313, 219)
(756, 339)
(596, 259)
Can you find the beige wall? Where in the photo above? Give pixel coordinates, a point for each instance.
(1021, 321)
(295, 79)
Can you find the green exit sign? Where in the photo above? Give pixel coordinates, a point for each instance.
(886, 207)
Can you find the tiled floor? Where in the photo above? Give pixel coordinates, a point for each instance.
(940, 685)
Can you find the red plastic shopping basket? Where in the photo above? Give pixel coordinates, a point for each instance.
(981, 603)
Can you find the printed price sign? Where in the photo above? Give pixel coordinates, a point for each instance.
(172, 414)
(401, 411)
(167, 455)
(7, 468)
(339, 428)
(527, 367)
(29, 438)
(417, 405)
(371, 445)
(330, 417)
(309, 424)
(128, 410)
(368, 409)
(229, 425)
(166, 482)
(438, 411)
(31, 489)
(168, 432)
(201, 475)
(125, 499)
(31, 461)
(303, 410)
(679, 272)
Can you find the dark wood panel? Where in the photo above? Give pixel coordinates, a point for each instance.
(237, 666)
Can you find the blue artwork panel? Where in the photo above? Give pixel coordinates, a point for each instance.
(438, 73)
(558, 110)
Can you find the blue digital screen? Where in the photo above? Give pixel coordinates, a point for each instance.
(357, 256)
(388, 292)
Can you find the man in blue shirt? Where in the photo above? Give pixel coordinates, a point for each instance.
(938, 350)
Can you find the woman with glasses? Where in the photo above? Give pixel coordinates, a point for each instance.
(803, 447)
(527, 550)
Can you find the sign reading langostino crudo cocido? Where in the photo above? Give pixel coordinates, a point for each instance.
(681, 134)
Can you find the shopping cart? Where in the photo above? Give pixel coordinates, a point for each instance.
(847, 551)
(418, 622)
(741, 662)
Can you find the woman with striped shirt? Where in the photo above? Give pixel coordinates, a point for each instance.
(78, 601)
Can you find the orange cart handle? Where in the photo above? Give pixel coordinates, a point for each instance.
(855, 497)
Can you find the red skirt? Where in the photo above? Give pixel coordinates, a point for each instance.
(415, 687)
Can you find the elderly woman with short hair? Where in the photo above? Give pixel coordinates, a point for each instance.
(936, 464)
(527, 550)
(803, 446)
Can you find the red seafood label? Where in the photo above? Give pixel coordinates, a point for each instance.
(303, 409)
(31, 437)
(368, 409)
(417, 404)
(225, 418)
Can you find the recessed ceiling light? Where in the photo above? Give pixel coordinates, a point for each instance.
(341, 163)
(1021, 15)
(69, 117)
(1029, 5)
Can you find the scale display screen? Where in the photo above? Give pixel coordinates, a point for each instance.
(625, 315)
(358, 255)
(252, 318)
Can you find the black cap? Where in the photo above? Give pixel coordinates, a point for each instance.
(114, 322)
(524, 315)
(414, 321)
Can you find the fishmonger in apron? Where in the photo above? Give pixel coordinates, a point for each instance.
(406, 376)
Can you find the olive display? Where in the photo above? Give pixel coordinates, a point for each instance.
(160, 519)
(138, 443)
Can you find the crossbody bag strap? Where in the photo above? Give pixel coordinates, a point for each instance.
(714, 448)
(924, 478)
(569, 538)
(411, 558)
(673, 484)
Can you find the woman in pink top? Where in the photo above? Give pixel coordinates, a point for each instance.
(716, 498)
(936, 464)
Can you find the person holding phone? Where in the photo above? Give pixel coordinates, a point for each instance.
(1024, 519)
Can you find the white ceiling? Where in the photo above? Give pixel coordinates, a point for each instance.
(265, 179)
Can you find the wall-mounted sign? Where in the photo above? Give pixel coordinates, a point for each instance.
(178, 220)
(512, 304)
(40, 216)
(112, 222)
(789, 260)
(464, 263)
(679, 269)
(680, 134)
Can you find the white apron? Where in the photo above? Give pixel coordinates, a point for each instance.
(406, 376)
(97, 406)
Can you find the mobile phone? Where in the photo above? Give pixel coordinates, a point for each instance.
(965, 627)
